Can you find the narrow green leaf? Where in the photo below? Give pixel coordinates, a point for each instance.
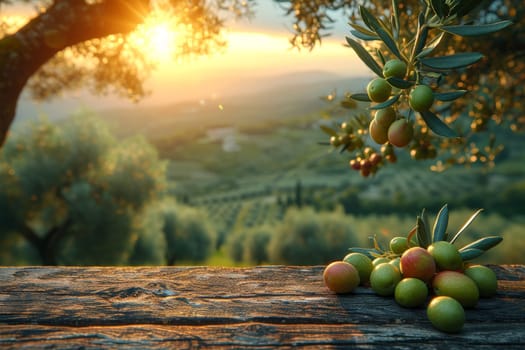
(362, 36)
(365, 56)
(440, 225)
(328, 130)
(469, 254)
(437, 125)
(424, 218)
(450, 96)
(475, 30)
(440, 8)
(431, 46)
(484, 243)
(387, 103)
(400, 83)
(381, 57)
(423, 236)
(456, 61)
(380, 30)
(362, 29)
(465, 225)
(462, 7)
(365, 18)
(421, 36)
(370, 252)
(360, 97)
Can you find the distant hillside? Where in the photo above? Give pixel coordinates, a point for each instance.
(273, 98)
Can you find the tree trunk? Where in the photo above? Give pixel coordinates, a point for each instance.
(46, 245)
(64, 23)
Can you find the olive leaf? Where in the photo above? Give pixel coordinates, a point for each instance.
(465, 225)
(449, 96)
(360, 97)
(431, 46)
(372, 253)
(363, 30)
(475, 30)
(459, 60)
(381, 56)
(461, 7)
(387, 103)
(423, 235)
(365, 56)
(469, 254)
(400, 83)
(484, 243)
(362, 36)
(440, 8)
(380, 30)
(424, 218)
(440, 225)
(421, 36)
(437, 125)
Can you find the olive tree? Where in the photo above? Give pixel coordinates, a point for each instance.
(75, 194)
(40, 53)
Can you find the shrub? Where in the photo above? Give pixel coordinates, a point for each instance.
(308, 238)
(189, 234)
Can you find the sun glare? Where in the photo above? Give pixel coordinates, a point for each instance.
(156, 38)
(162, 40)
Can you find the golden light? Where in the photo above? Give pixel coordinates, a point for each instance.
(156, 38)
(11, 23)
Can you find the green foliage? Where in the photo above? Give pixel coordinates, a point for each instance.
(250, 245)
(235, 245)
(189, 235)
(429, 38)
(308, 238)
(510, 250)
(74, 192)
(150, 242)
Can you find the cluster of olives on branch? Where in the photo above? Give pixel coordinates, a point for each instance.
(385, 125)
(408, 77)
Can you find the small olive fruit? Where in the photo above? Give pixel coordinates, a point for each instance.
(484, 278)
(378, 133)
(421, 98)
(395, 68)
(378, 90)
(341, 277)
(400, 132)
(446, 314)
(385, 117)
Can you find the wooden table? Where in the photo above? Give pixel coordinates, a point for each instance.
(210, 307)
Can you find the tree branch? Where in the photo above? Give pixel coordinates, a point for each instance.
(64, 23)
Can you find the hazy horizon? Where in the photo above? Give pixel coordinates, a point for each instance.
(258, 50)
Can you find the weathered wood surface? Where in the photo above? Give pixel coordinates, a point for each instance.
(255, 308)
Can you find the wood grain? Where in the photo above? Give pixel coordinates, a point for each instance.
(209, 307)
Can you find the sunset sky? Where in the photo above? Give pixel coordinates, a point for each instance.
(257, 48)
